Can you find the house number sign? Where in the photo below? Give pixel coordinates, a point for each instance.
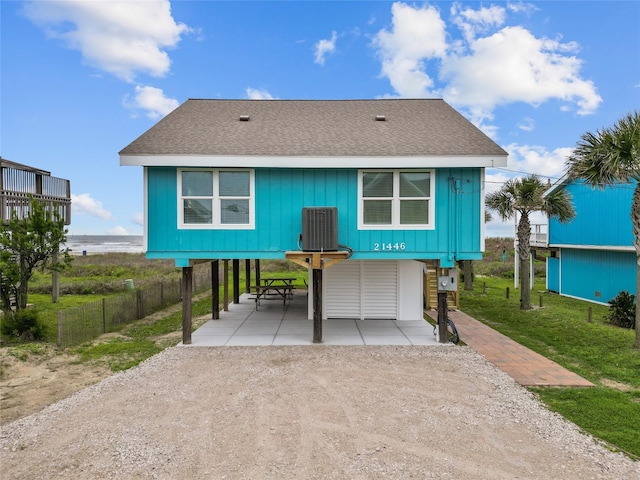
(388, 247)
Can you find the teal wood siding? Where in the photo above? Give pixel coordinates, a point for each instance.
(597, 275)
(280, 195)
(602, 217)
(553, 274)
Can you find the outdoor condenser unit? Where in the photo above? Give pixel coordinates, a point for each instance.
(319, 229)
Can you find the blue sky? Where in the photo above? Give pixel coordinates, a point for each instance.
(80, 80)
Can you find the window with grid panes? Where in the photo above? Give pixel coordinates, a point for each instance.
(396, 199)
(210, 198)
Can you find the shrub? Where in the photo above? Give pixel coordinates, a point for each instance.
(22, 325)
(622, 310)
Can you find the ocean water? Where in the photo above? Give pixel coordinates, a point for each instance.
(88, 244)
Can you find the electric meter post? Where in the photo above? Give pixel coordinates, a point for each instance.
(446, 283)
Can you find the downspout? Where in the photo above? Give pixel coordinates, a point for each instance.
(454, 187)
(449, 235)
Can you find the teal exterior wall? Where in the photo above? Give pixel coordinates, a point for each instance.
(597, 275)
(603, 217)
(280, 195)
(553, 274)
(596, 259)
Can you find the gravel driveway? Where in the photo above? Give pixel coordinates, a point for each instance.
(306, 412)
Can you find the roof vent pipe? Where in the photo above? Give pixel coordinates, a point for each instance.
(244, 118)
(380, 118)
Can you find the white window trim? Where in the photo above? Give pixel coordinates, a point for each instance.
(216, 198)
(395, 214)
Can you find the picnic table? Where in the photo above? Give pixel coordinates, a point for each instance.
(275, 288)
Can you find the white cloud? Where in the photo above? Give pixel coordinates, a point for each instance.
(152, 100)
(83, 204)
(522, 7)
(514, 66)
(527, 124)
(538, 160)
(471, 22)
(118, 230)
(138, 218)
(324, 47)
(258, 94)
(123, 38)
(490, 66)
(418, 34)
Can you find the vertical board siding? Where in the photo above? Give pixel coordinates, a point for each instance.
(553, 274)
(602, 217)
(280, 195)
(597, 275)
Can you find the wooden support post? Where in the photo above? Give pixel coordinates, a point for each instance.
(215, 289)
(236, 280)
(247, 276)
(443, 336)
(317, 305)
(187, 293)
(257, 263)
(225, 281)
(507, 292)
(140, 304)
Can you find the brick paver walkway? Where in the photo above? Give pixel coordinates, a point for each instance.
(525, 366)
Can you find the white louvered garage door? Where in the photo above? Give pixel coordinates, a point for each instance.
(341, 285)
(380, 292)
(361, 289)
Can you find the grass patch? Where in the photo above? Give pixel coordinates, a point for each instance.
(562, 330)
(606, 413)
(140, 340)
(118, 353)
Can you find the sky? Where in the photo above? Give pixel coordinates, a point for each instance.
(80, 80)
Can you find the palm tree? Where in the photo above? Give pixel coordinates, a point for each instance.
(523, 196)
(613, 156)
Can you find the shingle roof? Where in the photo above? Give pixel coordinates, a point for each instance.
(315, 128)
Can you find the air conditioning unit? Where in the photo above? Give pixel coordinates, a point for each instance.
(319, 229)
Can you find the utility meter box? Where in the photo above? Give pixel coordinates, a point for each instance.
(448, 283)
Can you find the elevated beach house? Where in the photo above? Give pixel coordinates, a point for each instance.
(593, 257)
(20, 183)
(377, 190)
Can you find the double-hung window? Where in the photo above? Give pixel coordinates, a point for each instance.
(396, 199)
(211, 198)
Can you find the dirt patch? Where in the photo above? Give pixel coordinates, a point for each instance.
(622, 387)
(306, 412)
(31, 381)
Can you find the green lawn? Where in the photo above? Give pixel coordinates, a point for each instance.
(561, 331)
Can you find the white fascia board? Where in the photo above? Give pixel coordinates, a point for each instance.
(612, 248)
(312, 162)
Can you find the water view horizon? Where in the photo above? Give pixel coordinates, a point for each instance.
(88, 244)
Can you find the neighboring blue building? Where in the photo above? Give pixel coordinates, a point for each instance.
(229, 179)
(593, 255)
